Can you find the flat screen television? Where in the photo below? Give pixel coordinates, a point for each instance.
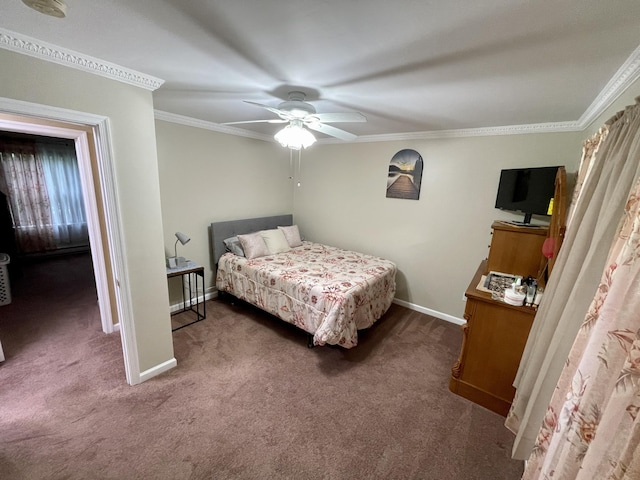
(527, 190)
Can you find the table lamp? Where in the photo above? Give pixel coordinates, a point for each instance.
(177, 261)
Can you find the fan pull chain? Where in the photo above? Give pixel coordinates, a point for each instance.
(291, 168)
(299, 167)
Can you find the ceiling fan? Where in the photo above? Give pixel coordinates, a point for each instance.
(299, 114)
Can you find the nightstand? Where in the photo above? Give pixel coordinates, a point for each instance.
(191, 275)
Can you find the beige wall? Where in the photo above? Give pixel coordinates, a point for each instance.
(199, 176)
(130, 110)
(438, 241)
(206, 177)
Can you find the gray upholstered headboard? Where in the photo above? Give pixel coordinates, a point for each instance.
(221, 230)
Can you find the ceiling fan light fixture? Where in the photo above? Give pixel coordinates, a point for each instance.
(302, 117)
(53, 8)
(295, 136)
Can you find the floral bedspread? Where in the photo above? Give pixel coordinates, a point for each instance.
(326, 291)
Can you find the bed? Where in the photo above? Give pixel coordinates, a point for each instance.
(328, 292)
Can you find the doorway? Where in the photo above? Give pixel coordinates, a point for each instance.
(91, 137)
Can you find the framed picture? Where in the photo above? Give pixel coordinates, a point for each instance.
(496, 283)
(405, 175)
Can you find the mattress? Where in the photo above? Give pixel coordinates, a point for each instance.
(326, 291)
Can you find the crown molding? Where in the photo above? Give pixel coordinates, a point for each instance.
(554, 127)
(628, 73)
(206, 125)
(463, 132)
(45, 51)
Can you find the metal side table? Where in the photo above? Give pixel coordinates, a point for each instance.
(190, 272)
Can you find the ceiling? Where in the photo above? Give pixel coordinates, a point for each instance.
(409, 66)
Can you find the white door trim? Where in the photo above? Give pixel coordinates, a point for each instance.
(91, 210)
(110, 207)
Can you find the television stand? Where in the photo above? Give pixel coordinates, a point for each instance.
(495, 333)
(523, 224)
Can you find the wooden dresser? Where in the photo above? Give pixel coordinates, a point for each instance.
(495, 333)
(516, 250)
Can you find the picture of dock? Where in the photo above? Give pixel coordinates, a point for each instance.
(405, 175)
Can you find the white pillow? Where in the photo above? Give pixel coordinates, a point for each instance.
(292, 234)
(275, 240)
(253, 245)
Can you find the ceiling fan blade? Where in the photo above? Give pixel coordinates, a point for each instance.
(273, 120)
(333, 131)
(340, 117)
(281, 113)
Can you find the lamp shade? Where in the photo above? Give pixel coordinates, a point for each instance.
(295, 136)
(182, 238)
(54, 8)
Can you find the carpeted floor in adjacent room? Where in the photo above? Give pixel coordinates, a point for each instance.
(248, 399)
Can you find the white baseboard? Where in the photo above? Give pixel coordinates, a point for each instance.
(169, 364)
(428, 311)
(154, 371)
(207, 296)
(157, 370)
(403, 303)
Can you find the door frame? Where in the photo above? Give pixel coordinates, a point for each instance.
(91, 134)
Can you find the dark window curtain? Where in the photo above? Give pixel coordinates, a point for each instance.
(65, 194)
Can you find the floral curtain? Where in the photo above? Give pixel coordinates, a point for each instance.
(25, 182)
(42, 182)
(596, 220)
(591, 428)
(589, 151)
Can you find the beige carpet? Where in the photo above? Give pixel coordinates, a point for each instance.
(248, 399)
